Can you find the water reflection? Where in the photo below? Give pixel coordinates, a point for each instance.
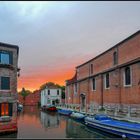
(32, 123)
(77, 130)
(50, 119)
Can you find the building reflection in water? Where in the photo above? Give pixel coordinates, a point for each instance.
(50, 119)
(33, 123)
(77, 130)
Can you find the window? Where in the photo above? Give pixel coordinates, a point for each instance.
(48, 92)
(6, 57)
(115, 58)
(5, 83)
(127, 76)
(57, 92)
(107, 84)
(93, 84)
(6, 109)
(75, 88)
(91, 68)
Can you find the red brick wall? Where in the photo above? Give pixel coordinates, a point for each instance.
(129, 50)
(131, 95)
(117, 93)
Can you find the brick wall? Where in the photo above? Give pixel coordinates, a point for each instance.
(117, 93)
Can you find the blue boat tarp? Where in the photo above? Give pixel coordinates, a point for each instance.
(65, 111)
(103, 119)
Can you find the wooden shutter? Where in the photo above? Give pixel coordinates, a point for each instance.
(0, 109)
(10, 109)
(5, 83)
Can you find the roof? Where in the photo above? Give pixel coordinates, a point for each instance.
(10, 46)
(72, 80)
(128, 38)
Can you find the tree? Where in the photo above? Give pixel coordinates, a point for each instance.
(24, 93)
(47, 84)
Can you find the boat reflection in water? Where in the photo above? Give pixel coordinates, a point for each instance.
(49, 120)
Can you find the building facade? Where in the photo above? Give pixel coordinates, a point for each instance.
(31, 99)
(51, 95)
(8, 87)
(111, 79)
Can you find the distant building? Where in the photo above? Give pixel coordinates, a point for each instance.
(31, 100)
(111, 79)
(51, 95)
(8, 86)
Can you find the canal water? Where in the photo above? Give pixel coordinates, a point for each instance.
(33, 123)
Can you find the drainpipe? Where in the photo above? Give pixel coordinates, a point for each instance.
(102, 91)
(88, 90)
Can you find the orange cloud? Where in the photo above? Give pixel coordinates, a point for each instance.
(34, 81)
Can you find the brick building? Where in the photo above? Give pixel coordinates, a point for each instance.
(8, 87)
(31, 99)
(111, 79)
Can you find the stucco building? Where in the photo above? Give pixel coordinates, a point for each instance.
(50, 94)
(111, 79)
(8, 86)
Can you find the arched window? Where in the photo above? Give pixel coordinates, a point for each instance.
(115, 58)
(93, 83)
(107, 81)
(127, 76)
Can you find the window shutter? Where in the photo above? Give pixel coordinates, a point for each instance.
(11, 58)
(5, 83)
(10, 109)
(0, 109)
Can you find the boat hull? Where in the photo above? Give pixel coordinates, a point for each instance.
(116, 131)
(53, 109)
(64, 112)
(77, 116)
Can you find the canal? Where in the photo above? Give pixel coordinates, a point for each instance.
(33, 123)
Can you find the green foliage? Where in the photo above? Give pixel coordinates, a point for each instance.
(24, 93)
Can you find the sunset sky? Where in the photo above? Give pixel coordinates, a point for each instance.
(55, 37)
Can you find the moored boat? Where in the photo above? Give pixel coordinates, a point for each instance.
(19, 107)
(120, 128)
(78, 116)
(64, 112)
(51, 108)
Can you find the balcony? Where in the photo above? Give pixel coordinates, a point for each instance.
(8, 66)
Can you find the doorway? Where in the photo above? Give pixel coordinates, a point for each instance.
(83, 102)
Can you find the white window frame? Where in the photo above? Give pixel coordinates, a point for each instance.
(124, 82)
(105, 81)
(75, 92)
(92, 84)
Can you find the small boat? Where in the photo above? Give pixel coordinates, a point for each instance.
(51, 108)
(77, 116)
(19, 107)
(48, 108)
(64, 112)
(116, 127)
